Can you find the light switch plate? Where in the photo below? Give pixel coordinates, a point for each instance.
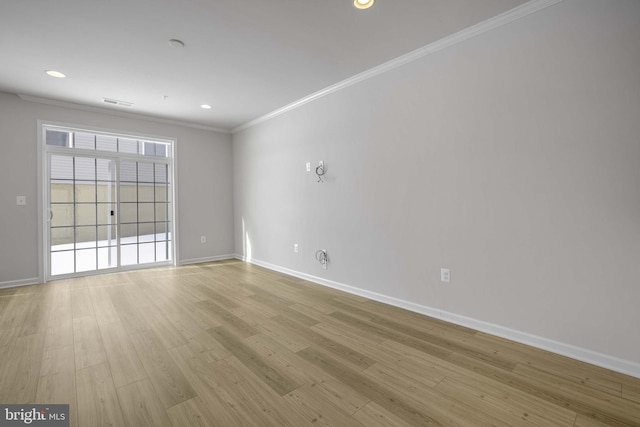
(21, 200)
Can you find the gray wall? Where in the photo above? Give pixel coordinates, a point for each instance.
(204, 178)
(512, 158)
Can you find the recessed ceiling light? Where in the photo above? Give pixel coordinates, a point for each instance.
(57, 74)
(206, 106)
(363, 4)
(176, 43)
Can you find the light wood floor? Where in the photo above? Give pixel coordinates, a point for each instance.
(230, 344)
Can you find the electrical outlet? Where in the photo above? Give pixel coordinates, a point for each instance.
(203, 239)
(295, 247)
(445, 275)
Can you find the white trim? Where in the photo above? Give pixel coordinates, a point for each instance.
(207, 259)
(21, 282)
(578, 353)
(507, 17)
(42, 174)
(175, 237)
(119, 113)
(108, 131)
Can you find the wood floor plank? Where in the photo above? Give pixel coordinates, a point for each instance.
(264, 311)
(81, 305)
(88, 348)
(374, 415)
(444, 341)
(258, 398)
(140, 406)
(574, 401)
(197, 337)
(516, 400)
(345, 335)
(384, 333)
(165, 330)
(251, 317)
(280, 358)
(168, 381)
(385, 397)
(443, 408)
(20, 368)
(97, 399)
(347, 354)
(506, 407)
(36, 313)
(228, 319)
(209, 293)
(354, 309)
(59, 388)
(25, 311)
(631, 392)
(228, 409)
(129, 313)
(317, 410)
(194, 413)
(584, 421)
(124, 363)
(278, 380)
(285, 336)
(302, 371)
(59, 333)
(603, 406)
(429, 368)
(104, 310)
(58, 360)
(283, 308)
(579, 372)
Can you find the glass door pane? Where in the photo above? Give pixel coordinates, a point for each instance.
(82, 226)
(144, 212)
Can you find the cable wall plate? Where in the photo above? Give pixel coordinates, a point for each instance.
(320, 171)
(322, 257)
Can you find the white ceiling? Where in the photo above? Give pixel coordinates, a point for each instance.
(246, 58)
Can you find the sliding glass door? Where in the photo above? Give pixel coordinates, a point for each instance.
(109, 203)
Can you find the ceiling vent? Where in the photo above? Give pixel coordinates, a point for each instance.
(116, 102)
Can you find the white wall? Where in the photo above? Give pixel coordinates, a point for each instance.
(204, 182)
(512, 158)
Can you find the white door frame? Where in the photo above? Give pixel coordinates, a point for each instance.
(43, 191)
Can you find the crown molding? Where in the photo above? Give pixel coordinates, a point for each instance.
(497, 21)
(101, 110)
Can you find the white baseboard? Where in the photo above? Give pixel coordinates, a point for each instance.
(206, 259)
(593, 357)
(21, 282)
